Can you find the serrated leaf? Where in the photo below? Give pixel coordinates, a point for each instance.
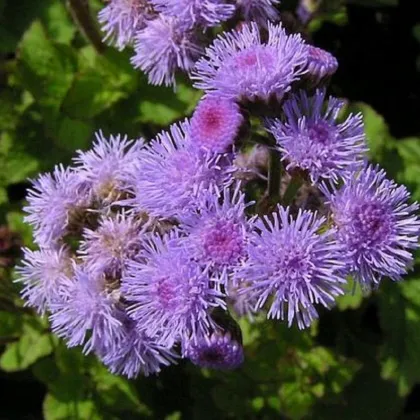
(352, 299)
(10, 324)
(58, 22)
(54, 409)
(409, 174)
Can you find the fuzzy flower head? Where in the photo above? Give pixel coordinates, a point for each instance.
(320, 65)
(205, 13)
(259, 11)
(55, 201)
(311, 139)
(239, 65)
(106, 249)
(217, 231)
(171, 175)
(105, 167)
(45, 274)
(87, 314)
(121, 19)
(170, 295)
(135, 353)
(163, 47)
(292, 266)
(377, 226)
(219, 351)
(215, 124)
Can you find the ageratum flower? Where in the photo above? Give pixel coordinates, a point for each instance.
(171, 175)
(219, 351)
(240, 66)
(376, 225)
(170, 295)
(321, 65)
(53, 203)
(259, 11)
(104, 168)
(46, 275)
(135, 353)
(311, 138)
(217, 231)
(107, 248)
(121, 19)
(215, 124)
(205, 13)
(163, 47)
(293, 266)
(87, 314)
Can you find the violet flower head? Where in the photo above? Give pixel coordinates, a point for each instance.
(170, 295)
(53, 203)
(321, 65)
(217, 231)
(135, 353)
(215, 124)
(104, 168)
(107, 248)
(171, 175)
(377, 226)
(312, 139)
(46, 275)
(121, 19)
(239, 65)
(292, 266)
(163, 47)
(259, 11)
(205, 13)
(88, 313)
(219, 351)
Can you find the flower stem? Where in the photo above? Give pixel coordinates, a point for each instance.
(274, 176)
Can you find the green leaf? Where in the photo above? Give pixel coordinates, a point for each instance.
(54, 409)
(16, 223)
(409, 174)
(10, 324)
(353, 297)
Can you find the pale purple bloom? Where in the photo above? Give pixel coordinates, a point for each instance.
(215, 124)
(311, 138)
(240, 65)
(53, 202)
(219, 351)
(135, 353)
(292, 266)
(259, 11)
(320, 65)
(163, 47)
(107, 248)
(377, 226)
(171, 175)
(170, 295)
(205, 13)
(105, 167)
(121, 19)
(88, 313)
(241, 300)
(46, 275)
(217, 230)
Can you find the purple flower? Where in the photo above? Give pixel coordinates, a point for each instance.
(292, 266)
(163, 47)
(376, 225)
(53, 203)
(171, 176)
(311, 139)
(215, 124)
(217, 231)
(46, 275)
(206, 13)
(259, 11)
(87, 313)
(239, 65)
(135, 353)
(104, 168)
(219, 351)
(107, 249)
(321, 65)
(121, 19)
(170, 295)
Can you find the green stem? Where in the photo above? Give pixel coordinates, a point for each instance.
(274, 176)
(294, 185)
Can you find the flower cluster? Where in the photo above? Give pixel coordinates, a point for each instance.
(150, 251)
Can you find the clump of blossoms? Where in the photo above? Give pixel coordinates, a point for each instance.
(151, 250)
